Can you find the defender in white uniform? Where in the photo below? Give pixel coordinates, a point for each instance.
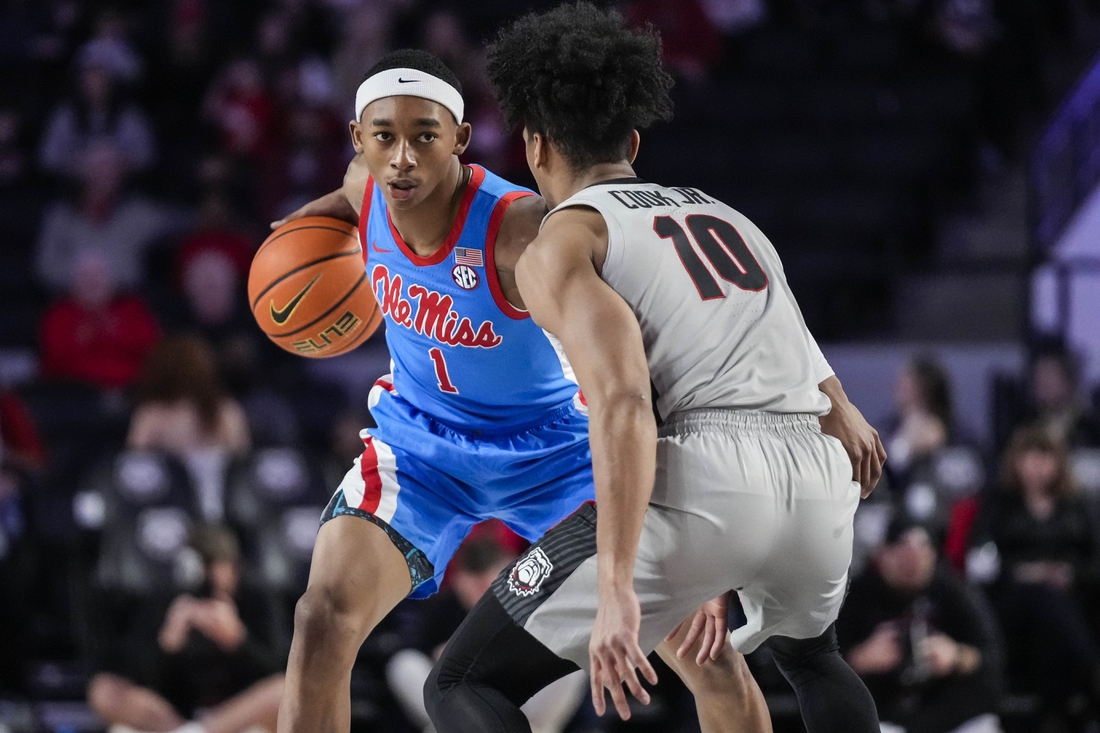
(645, 284)
(749, 494)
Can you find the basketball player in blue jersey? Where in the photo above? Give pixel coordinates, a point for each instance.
(481, 417)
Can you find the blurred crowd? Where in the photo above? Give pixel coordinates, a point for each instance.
(163, 466)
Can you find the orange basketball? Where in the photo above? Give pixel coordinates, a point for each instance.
(308, 288)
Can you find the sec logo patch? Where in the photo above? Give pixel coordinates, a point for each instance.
(527, 576)
(465, 277)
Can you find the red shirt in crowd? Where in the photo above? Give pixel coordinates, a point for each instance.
(105, 347)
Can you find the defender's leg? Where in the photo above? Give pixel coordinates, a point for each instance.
(831, 696)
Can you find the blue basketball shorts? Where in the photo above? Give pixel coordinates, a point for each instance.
(427, 484)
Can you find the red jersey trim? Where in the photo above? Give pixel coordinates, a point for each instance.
(477, 175)
(495, 220)
(364, 215)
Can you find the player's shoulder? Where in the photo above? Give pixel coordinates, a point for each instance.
(575, 231)
(520, 225)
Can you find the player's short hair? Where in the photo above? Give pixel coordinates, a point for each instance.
(414, 58)
(581, 78)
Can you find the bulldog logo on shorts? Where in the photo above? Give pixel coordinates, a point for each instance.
(527, 576)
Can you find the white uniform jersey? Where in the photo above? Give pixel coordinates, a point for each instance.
(720, 325)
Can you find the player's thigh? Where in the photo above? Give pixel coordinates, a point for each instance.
(357, 573)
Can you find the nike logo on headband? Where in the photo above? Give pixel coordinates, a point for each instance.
(405, 81)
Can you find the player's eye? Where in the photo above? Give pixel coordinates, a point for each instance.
(428, 137)
(383, 137)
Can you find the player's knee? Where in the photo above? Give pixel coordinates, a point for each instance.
(325, 615)
(726, 675)
(794, 656)
(440, 681)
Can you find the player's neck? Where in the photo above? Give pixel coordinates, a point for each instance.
(425, 227)
(570, 185)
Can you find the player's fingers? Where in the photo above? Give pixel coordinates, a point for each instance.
(698, 620)
(596, 681)
(643, 664)
(708, 640)
(618, 699)
(719, 638)
(630, 679)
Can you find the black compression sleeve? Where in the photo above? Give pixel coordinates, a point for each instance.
(489, 668)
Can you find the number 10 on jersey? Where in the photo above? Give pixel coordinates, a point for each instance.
(723, 246)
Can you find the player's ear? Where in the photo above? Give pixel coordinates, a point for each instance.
(538, 150)
(463, 134)
(635, 141)
(356, 131)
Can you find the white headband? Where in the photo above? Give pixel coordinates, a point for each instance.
(408, 82)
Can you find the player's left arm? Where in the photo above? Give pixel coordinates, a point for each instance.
(562, 289)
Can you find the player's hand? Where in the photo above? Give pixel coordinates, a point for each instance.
(333, 204)
(861, 442)
(709, 621)
(614, 654)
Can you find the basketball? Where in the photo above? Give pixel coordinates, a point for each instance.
(308, 288)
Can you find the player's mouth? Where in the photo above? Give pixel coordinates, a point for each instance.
(402, 188)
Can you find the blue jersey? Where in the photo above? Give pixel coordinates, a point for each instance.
(461, 353)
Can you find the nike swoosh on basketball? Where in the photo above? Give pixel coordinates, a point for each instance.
(406, 81)
(374, 246)
(281, 315)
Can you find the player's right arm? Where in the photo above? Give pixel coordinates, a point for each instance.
(557, 276)
(343, 203)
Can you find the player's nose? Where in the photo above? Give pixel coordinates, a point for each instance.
(403, 156)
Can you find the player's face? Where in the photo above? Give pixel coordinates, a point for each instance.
(409, 146)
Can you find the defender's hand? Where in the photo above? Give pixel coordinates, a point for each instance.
(614, 654)
(709, 621)
(861, 441)
(333, 204)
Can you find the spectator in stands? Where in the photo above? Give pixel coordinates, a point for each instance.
(181, 406)
(240, 108)
(220, 651)
(98, 112)
(1047, 552)
(106, 219)
(926, 645)
(923, 421)
(94, 333)
(477, 563)
(1056, 404)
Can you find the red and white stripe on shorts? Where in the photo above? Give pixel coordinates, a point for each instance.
(371, 485)
(384, 384)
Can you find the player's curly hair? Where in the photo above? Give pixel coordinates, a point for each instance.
(414, 58)
(581, 78)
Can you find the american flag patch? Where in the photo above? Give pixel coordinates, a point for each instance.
(471, 257)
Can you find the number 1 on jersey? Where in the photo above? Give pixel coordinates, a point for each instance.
(723, 246)
(441, 374)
